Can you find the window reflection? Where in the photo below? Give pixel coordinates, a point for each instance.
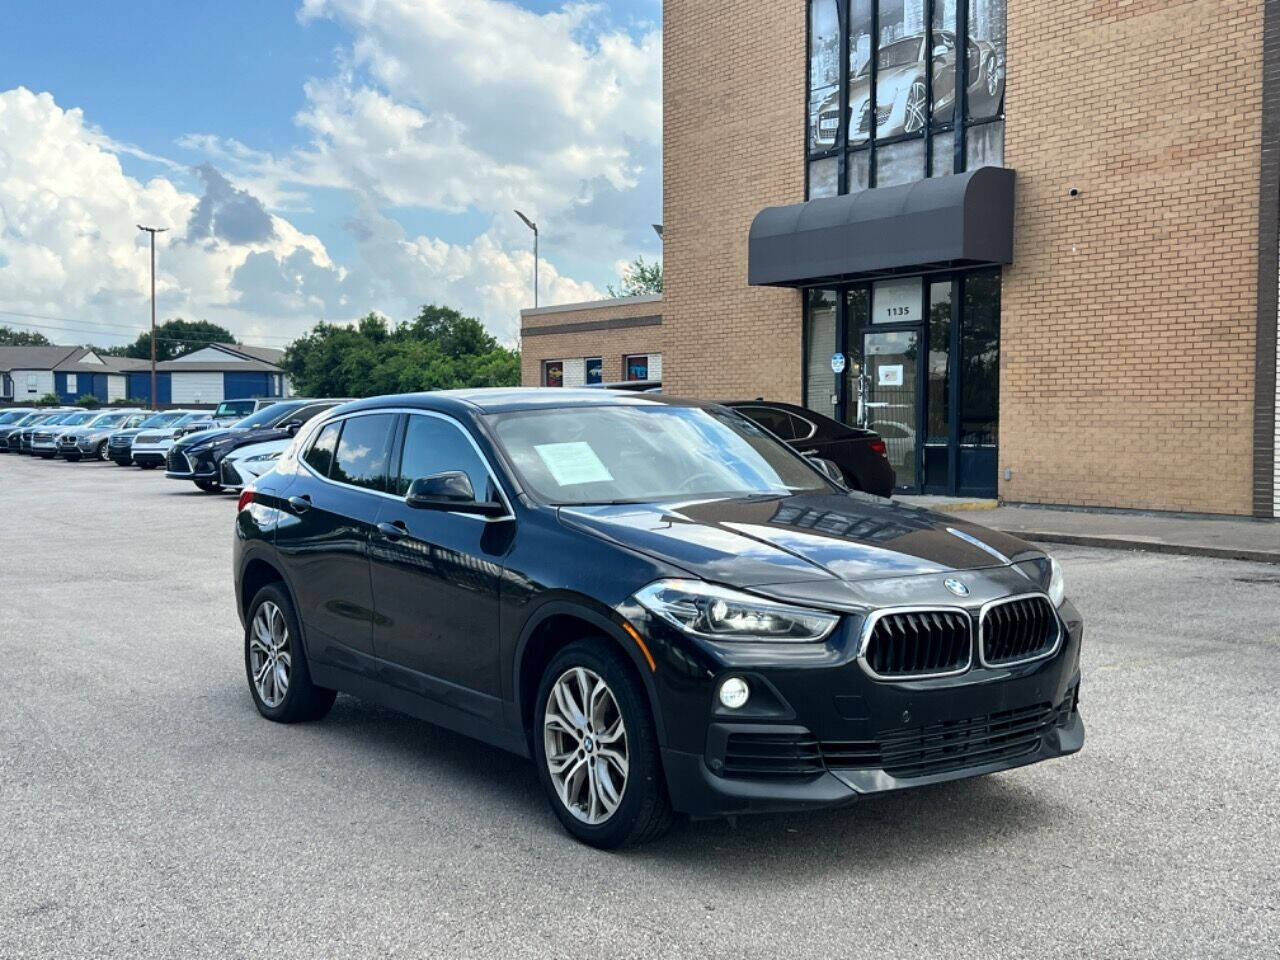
(824, 75)
(820, 340)
(980, 359)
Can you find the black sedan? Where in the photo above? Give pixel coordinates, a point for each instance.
(662, 605)
(860, 454)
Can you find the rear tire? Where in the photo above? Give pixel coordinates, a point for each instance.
(275, 662)
(608, 788)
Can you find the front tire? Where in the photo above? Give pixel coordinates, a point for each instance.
(275, 662)
(102, 450)
(596, 749)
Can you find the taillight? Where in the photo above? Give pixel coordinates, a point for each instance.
(246, 498)
(877, 446)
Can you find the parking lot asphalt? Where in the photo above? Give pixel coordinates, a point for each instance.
(148, 811)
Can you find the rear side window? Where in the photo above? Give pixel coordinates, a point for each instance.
(320, 456)
(364, 448)
(432, 446)
(777, 422)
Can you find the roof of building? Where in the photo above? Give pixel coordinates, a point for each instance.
(33, 358)
(82, 360)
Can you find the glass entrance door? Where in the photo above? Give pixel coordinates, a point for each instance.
(890, 402)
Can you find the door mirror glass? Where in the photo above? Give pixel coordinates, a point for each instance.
(828, 469)
(451, 490)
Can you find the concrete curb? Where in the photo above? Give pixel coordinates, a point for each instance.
(1148, 546)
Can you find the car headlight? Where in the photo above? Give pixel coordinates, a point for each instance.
(1057, 588)
(263, 458)
(718, 613)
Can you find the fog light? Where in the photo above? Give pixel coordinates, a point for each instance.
(734, 692)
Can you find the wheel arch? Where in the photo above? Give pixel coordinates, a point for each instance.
(554, 626)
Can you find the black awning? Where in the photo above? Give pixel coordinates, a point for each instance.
(955, 221)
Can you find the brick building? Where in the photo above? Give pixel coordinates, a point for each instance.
(1037, 238)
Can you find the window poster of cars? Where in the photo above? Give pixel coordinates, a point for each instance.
(916, 72)
(553, 373)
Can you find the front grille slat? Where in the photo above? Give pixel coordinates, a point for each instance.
(918, 643)
(1019, 630)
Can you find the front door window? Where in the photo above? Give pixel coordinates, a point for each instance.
(891, 396)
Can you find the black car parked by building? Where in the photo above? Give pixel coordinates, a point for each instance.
(198, 457)
(665, 607)
(860, 454)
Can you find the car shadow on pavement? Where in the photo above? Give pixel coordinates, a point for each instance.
(923, 825)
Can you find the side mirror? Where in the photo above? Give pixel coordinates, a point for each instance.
(828, 469)
(939, 51)
(450, 491)
(291, 427)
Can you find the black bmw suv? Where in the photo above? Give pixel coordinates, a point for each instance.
(664, 606)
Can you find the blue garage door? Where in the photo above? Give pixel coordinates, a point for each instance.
(100, 386)
(140, 387)
(242, 386)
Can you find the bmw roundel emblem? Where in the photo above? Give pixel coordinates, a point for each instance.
(956, 587)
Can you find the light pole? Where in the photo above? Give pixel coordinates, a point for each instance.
(153, 231)
(534, 227)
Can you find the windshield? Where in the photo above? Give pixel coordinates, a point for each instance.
(160, 420)
(639, 454)
(12, 416)
(75, 419)
(265, 417)
(233, 408)
(111, 419)
(186, 418)
(902, 53)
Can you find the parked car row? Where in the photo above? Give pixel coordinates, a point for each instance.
(219, 449)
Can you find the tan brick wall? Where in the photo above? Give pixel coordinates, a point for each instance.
(610, 345)
(1128, 316)
(733, 142)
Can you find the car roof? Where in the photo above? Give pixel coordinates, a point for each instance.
(510, 399)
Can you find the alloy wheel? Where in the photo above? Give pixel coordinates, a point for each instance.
(270, 657)
(585, 743)
(917, 99)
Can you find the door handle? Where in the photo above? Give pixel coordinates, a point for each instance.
(300, 504)
(393, 531)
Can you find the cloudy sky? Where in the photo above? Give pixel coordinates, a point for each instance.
(321, 158)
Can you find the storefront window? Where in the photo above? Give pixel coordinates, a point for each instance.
(823, 178)
(980, 359)
(636, 367)
(820, 344)
(594, 370)
(986, 58)
(896, 301)
(904, 84)
(824, 75)
(553, 373)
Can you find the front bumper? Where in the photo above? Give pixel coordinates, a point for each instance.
(818, 731)
(180, 465)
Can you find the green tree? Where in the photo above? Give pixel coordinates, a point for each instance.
(10, 337)
(639, 277)
(176, 337)
(438, 349)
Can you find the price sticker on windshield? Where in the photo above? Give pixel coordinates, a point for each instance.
(573, 463)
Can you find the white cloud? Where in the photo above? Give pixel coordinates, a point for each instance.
(436, 105)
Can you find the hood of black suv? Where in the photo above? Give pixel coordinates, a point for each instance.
(770, 540)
